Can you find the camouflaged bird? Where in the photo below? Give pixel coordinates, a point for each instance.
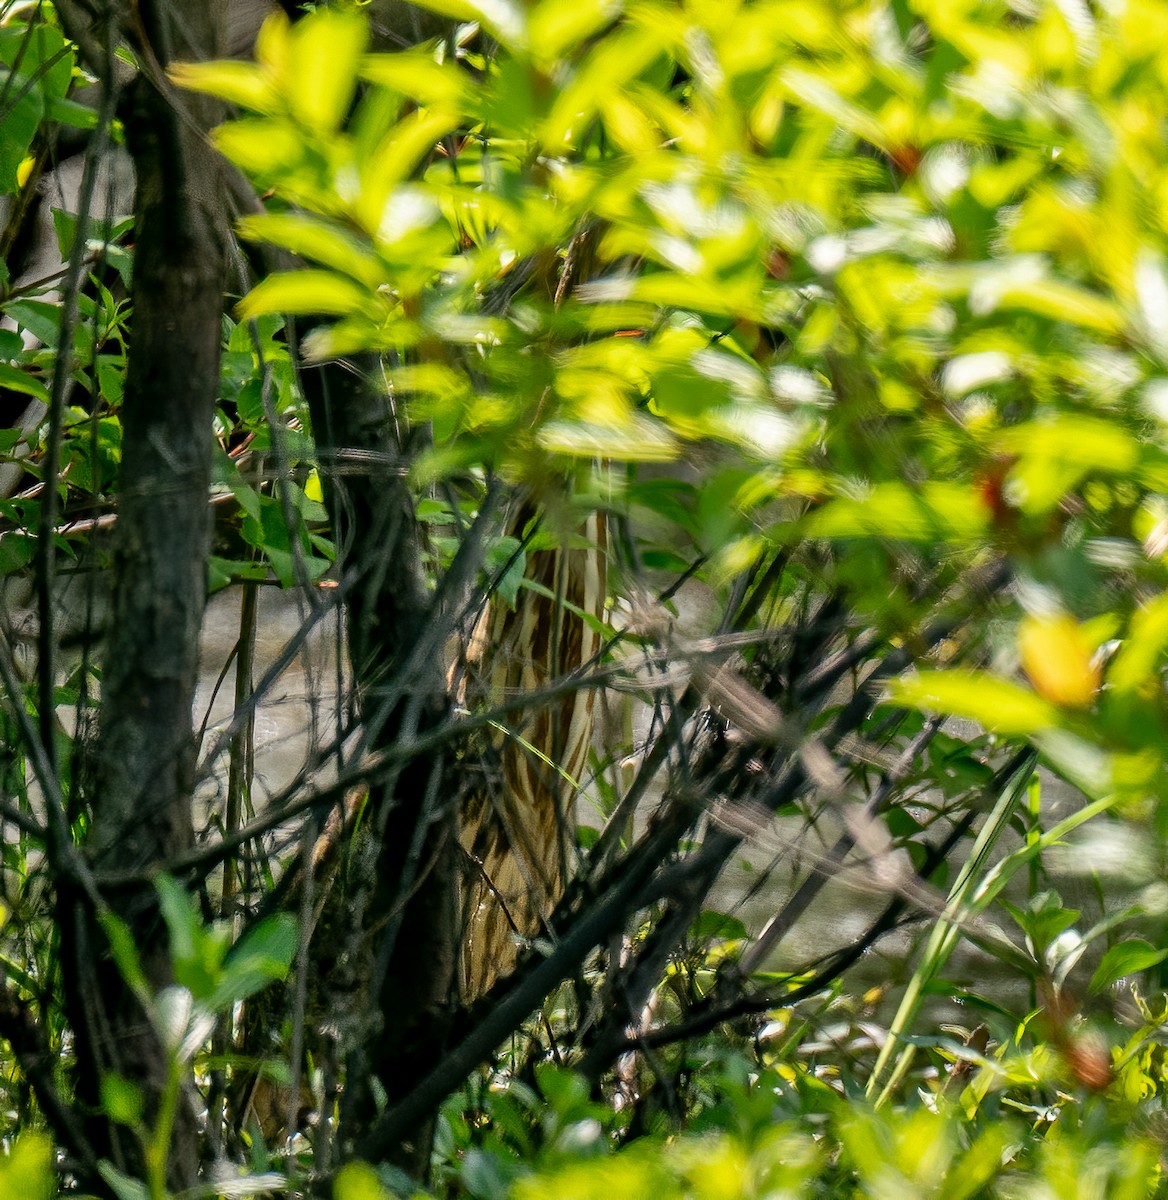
(520, 823)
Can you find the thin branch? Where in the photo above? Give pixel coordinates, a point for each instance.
(21, 1031)
(62, 376)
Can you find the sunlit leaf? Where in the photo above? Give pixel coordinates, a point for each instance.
(607, 69)
(1126, 958)
(305, 293)
(638, 439)
(396, 160)
(1056, 654)
(416, 74)
(271, 47)
(1134, 665)
(556, 27)
(238, 83)
(324, 49)
(1084, 441)
(358, 1181)
(264, 148)
(504, 19)
(27, 1170)
(935, 511)
(976, 696)
(1064, 302)
(324, 242)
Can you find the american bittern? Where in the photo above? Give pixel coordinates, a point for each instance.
(518, 827)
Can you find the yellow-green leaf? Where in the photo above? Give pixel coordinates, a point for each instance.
(977, 696)
(305, 293)
(263, 148)
(608, 69)
(1087, 442)
(26, 1171)
(503, 19)
(238, 83)
(318, 239)
(1135, 663)
(358, 1181)
(1065, 302)
(935, 511)
(271, 48)
(323, 52)
(556, 27)
(397, 157)
(416, 75)
(637, 439)
(1056, 654)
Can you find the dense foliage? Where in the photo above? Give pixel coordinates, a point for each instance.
(851, 315)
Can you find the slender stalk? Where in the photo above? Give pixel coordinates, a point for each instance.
(966, 896)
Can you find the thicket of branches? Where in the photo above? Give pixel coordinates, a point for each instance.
(503, 337)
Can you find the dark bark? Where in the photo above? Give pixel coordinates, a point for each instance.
(394, 982)
(140, 802)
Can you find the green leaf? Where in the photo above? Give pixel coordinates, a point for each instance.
(267, 149)
(69, 112)
(15, 380)
(262, 956)
(183, 923)
(556, 27)
(711, 925)
(358, 1181)
(121, 1100)
(238, 83)
(27, 1170)
(42, 67)
(320, 240)
(1042, 919)
(977, 696)
(1126, 958)
(416, 75)
(42, 320)
(506, 556)
(17, 550)
(99, 232)
(305, 293)
(122, 1186)
(639, 439)
(323, 52)
(249, 402)
(40, 55)
(503, 19)
(125, 952)
(224, 571)
(936, 511)
(20, 124)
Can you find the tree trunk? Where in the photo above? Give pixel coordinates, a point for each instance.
(144, 764)
(395, 980)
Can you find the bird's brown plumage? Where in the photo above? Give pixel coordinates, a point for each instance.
(519, 825)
